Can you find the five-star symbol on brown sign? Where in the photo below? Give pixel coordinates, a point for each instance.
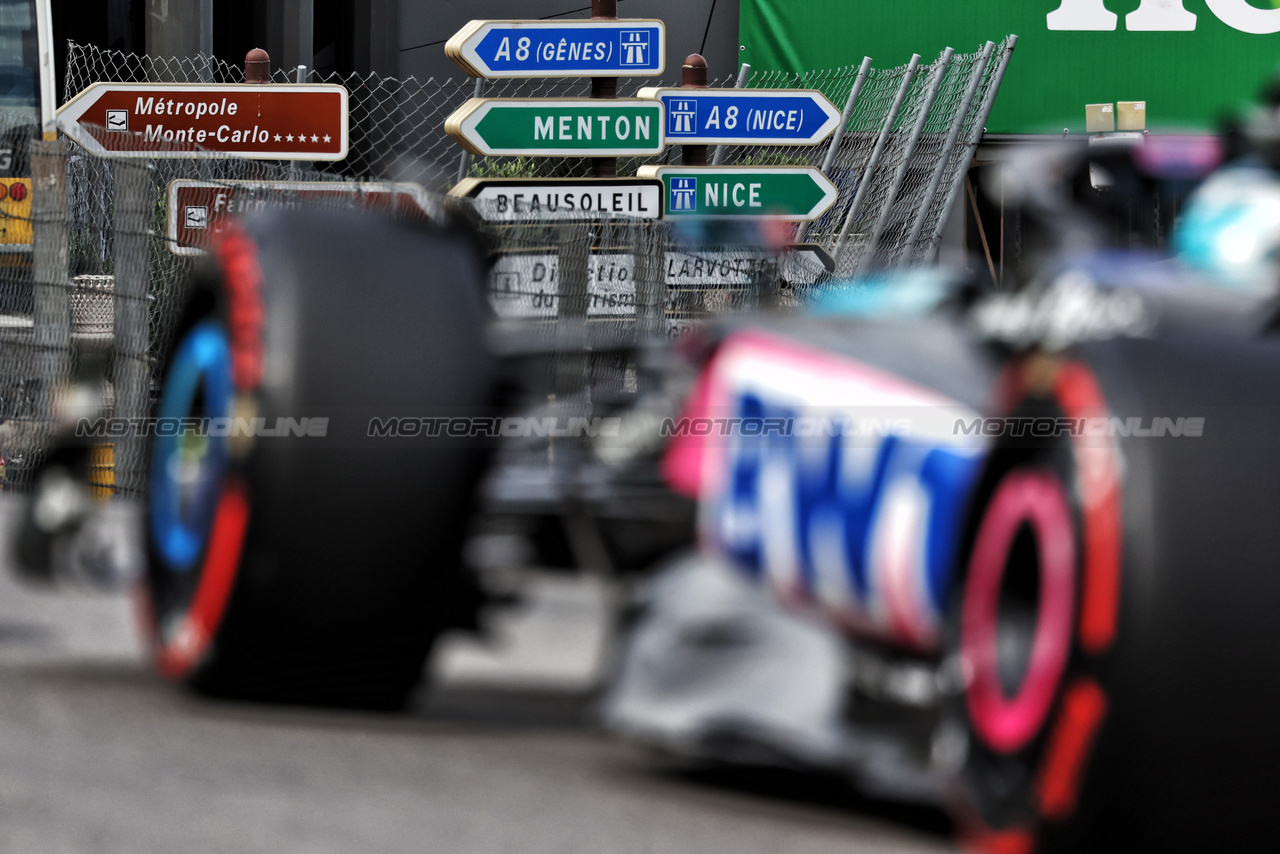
(302, 137)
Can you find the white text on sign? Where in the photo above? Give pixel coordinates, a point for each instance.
(563, 127)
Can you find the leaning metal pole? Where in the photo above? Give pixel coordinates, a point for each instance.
(743, 73)
(464, 159)
(846, 116)
(942, 66)
(944, 158)
(648, 242)
(131, 220)
(51, 318)
(874, 161)
(979, 127)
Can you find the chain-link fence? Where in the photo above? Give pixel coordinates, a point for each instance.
(907, 136)
(97, 291)
(87, 308)
(396, 125)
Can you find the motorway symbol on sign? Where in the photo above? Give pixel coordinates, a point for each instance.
(623, 48)
(525, 199)
(279, 121)
(198, 210)
(755, 116)
(730, 192)
(569, 127)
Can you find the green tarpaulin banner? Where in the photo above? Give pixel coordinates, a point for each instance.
(1190, 60)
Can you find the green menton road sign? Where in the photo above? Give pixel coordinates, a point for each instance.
(568, 127)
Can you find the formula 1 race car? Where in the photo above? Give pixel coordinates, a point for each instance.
(1019, 545)
(1009, 552)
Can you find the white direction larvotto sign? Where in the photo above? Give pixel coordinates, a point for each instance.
(516, 199)
(526, 285)
(583, 48)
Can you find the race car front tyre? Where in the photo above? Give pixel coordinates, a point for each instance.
(296, 554)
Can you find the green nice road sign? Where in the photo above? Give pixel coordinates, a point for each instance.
(755, 192)
(569, 127)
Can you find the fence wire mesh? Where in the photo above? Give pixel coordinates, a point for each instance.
(87, 309)
(397, 133)
(98, 285)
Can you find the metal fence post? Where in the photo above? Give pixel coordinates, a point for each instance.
(874, 160)
(51, 319)
(743, 73)
(693, 75)
(300, 76)
(464, 159)
(944, 158)
(257, 66)
(944, 64)
(604, 87)
(979, 127)
(650, 278)
(846, 116)
(131, 222)
(572, 297)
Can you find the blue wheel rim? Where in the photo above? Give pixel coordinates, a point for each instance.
(188, 464)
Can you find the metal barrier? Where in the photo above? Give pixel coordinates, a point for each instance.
(103, 282)
(902, 150)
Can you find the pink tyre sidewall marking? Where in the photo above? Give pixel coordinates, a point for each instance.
(1007, 724)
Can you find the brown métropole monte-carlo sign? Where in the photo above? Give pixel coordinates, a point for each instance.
(277, 121)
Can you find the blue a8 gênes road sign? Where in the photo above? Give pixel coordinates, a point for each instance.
(756, 116)
(622, 48)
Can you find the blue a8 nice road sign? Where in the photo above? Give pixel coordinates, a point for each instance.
(762, 117)
(622, 48)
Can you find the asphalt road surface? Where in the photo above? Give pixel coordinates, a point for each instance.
(499, 756)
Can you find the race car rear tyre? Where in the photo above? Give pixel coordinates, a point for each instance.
(294, 556)
(1036, 611)
(1146, 722)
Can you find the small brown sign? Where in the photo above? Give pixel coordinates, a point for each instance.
(199, 210)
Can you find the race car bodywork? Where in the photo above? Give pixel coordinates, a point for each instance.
(837, 481)
(1042, 538)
